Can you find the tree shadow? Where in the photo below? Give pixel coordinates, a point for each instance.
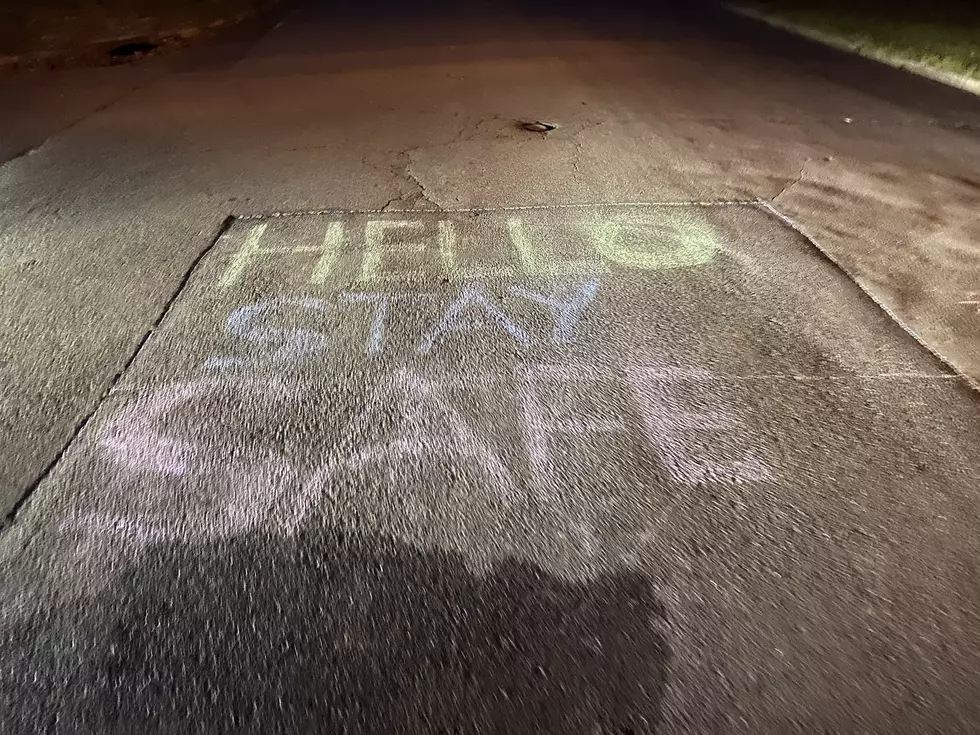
(332, 633)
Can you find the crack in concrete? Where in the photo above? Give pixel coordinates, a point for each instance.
(789, 185)
(587, 125)
(11, 517)
(576, 158)
(797, 227)
(402, 169)
(68, 127)
(458, 138)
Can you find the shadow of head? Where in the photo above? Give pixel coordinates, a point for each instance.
(331, 633)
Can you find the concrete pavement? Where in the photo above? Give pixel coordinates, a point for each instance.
(341, 403)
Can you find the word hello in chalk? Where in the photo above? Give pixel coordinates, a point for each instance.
(386, 249)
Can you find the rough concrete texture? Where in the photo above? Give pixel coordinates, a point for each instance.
(932, 231)
(37, 106)
(447, 454)
(654, 419)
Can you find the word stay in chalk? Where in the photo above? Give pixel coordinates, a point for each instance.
(294, 329)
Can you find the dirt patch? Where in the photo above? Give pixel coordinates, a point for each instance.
(50, 33)
(132, 48)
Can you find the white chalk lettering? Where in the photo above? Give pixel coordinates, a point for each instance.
(428, 425)
(133, 437)
(691, 442)
(551, 418)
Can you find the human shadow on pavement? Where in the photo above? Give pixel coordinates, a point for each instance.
(331, 633)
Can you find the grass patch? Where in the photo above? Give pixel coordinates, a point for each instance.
(942, 34)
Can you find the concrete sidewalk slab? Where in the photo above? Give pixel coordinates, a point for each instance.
(687, 400)
(167, 163)
(735, 475)
(37, 106)
(909, 235)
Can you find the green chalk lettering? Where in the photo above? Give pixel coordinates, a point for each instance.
(375, 247)
(537, 264)
(655, 242)
(252, 248)
(448, 242)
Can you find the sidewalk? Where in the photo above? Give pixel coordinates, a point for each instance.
(707, 404)
(100, 223)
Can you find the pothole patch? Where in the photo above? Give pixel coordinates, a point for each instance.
(132, 49)
(537, 126)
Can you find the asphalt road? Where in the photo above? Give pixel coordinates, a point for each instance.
(336, 401)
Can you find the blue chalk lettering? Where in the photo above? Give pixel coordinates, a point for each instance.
(285, 345)
(473, 294)
(567, 310)
(375, 341)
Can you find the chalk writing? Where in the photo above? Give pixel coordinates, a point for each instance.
(472, 300)
(264, 325)
(545, 420)
(133, 438)
(428, 426)
(377, 245)
(246, 499)
(386, 249)
(567, 308)
(653, 242)
(411, 428)
(154, 434)
(333, 240)
(516, 278)
(376, 338)
(279, 345)
(251, 248)
(537, 263)
(449, 242)
(690, 441)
